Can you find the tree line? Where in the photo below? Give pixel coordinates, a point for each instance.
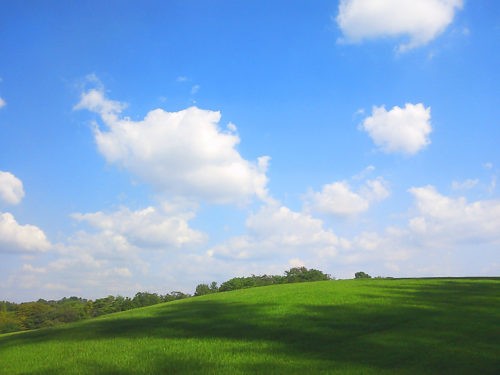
(42, 313)
(294, 275)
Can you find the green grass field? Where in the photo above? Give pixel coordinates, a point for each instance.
(410, 326)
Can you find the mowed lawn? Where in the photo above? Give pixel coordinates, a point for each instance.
(378, 326)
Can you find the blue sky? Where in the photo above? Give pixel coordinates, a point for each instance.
(157, 145)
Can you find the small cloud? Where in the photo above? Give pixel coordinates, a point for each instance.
(11, 188)
(364, 173)
(399, 130)
(464, 185)
(2, 103)
(29, 268)
(359, 112)
(182, 79)
(232, 127)
(195, 89)
(92, 78)
(493, 185)
(296, 262)
(119, 271)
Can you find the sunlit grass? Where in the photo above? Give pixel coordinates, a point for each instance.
(437, 326)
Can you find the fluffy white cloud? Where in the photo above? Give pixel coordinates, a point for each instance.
(420, 21)
(149, 227)
(445, 221)
(20, 238)
(181, 153)
(276, 232)
(400, 130)
(11, 188)
(2, 103)
(338, 199)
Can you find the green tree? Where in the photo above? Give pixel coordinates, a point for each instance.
(302, 274)
(35, 315)
(175, 295)
(103, 306)
(213, 287)
(142, 299)
(9, 322)
(362, 275)
(202, 289)
(237, 283)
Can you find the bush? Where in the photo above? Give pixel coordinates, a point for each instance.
(203, 289)
(362, 275)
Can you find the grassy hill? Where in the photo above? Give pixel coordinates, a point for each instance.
(405, 326)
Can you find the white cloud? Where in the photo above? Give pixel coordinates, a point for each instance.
(488, 165)
(420, 21)
(95, 101)
(375, 190)
(443, 236)
(493, 184)
(180, 153)
(464, 185)
(123, 252)
(400, 130)
(195, 89)
(364, 173)
(98, 251)
(276, 232)
(337, 198)
(11, 188)
(444, 221)
(29, 268)
(2, 103)
(20, 238)
(296, 262)
(149, 227)
(81, 269)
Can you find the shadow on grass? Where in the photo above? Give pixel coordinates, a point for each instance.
(445, 327)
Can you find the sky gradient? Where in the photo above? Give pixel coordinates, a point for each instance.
(152, 146)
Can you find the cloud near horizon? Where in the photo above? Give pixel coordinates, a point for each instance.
(444, 221)
(420, 21)
(339, 199)
(277, 232)
(184, 153)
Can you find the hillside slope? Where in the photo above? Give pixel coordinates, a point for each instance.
(441, 326)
